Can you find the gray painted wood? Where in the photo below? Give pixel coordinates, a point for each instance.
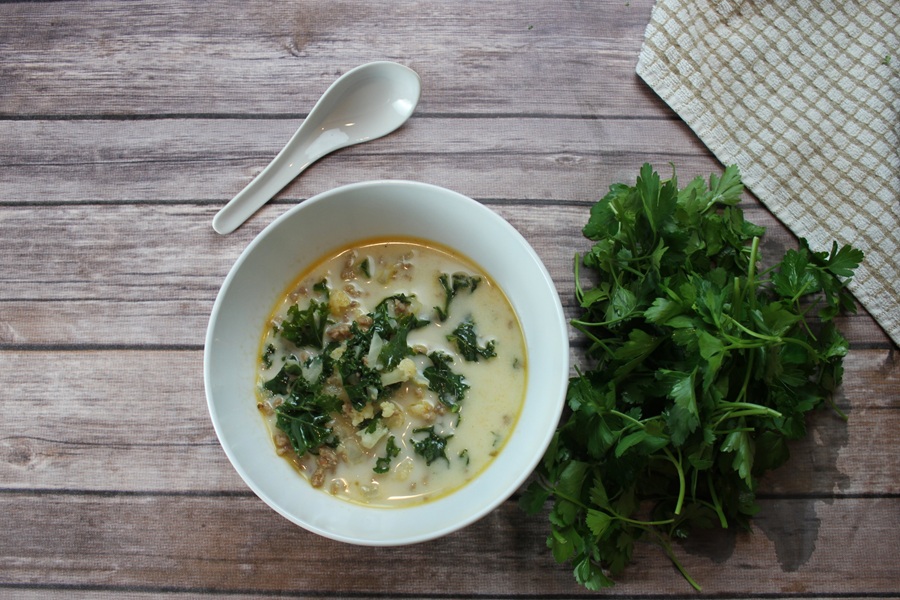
(124, 126)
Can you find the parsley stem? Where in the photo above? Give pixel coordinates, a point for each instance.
(738, 343)
(737, 297)
(750, 332)
(802, 291)
(606, 509)
(734, 430)
(798, 309)
(646, 524)
(717, 504)
(677, 462)
(749, 405)
(748, 413)
(736, 410)
(667, 548)
(841, 414)
(591, 336)
(751, 270)
(579, 292)
(746, 384)
(600, 323)
(554, 489)
(770, 338)
(627, 418)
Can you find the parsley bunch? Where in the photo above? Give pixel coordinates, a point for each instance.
(703, 367)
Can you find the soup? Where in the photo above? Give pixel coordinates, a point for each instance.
(392, 373)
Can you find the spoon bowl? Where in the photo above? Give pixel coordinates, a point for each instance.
(366, 103)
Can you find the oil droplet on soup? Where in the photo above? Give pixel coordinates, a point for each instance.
(392, 373)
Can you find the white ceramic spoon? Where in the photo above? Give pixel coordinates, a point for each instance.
(365, 103)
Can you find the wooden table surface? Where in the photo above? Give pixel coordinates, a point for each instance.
(125, 126)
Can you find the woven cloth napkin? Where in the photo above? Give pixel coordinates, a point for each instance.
(804, 96)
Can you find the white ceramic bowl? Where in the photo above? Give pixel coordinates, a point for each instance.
(298, 239)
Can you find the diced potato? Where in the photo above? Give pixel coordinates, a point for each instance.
(403, 469)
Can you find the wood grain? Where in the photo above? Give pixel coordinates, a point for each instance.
(114, 274)
(113, 58)
(124, 126)
(210, 160)
(136, 421)
(236, 544)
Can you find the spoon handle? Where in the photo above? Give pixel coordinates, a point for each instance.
(365, 103)
(280, 172)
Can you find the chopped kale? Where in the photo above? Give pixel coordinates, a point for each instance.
(432, 447)
(267, 356)
(305, 413)
(450, 387)
(383, 464)
(393, 320)
(306, 327)
(452, 284)
(466, 340)
(365, 267)
(361, 382)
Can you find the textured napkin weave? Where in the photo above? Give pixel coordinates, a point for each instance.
(804, 96)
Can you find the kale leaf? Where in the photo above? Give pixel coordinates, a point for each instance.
(362, 382)
(466, 340)
(383, 463)
(305, 414)
(306, 327)
(452, 284)
(393, 320)
(391, 323)
(432, 447)
(449, 386)
(266, 358)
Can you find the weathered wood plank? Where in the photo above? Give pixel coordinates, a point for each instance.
(90, 323)
(231, 56)
(67, 593)
(136, 421)
(236, 544)
(183, 141)
(126, 125)
(127, 275)
(203, 160)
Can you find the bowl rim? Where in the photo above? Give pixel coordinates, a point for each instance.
(556, 320)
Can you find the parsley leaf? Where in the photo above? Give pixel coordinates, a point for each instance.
(702, 367)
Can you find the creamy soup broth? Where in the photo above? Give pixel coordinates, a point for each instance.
(379, 445)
